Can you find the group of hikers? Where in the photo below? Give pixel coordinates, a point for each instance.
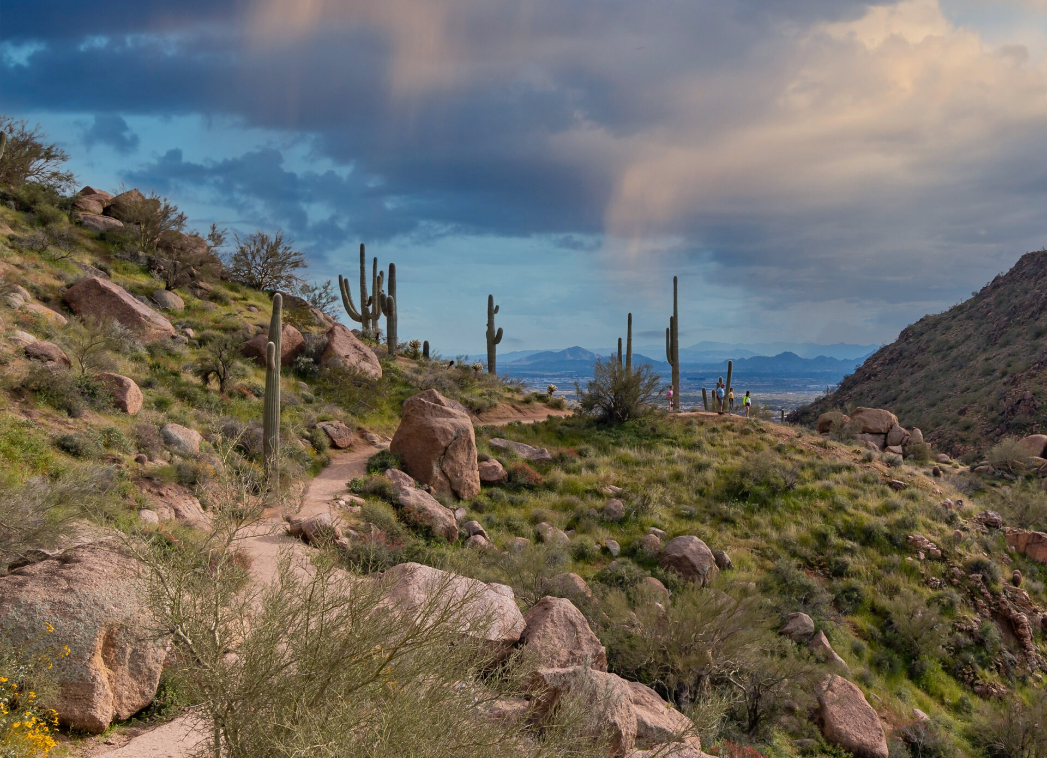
(721, 394)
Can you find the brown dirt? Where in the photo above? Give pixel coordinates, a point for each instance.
(528, 413)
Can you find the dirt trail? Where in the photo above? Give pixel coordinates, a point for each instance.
(264, 543)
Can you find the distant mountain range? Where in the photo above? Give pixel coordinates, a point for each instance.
(580, 360)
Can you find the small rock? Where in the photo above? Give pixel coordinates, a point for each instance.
(167, 300)
(614, 510)
(723, 561)
(550, 535)
(180, 439)
(612, 490)
(659, 533)
(149, 517)
(21, 339)
(650, 545)
(612, 547)
(492, 473)
(1016, 578)
(654, 586)
(897, 485)
(957, 536)
(340, 435)
(799, 627)
(519, 543)
(921, 716)
(474, 527)
(819, 643)
(571, 585)
(936, 472)
(318, 528)
(526, 452)
(47, 353)
(942, 458)
(689, 557)
(141, 459)
(478, 542)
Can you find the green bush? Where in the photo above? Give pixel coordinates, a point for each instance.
(383, 460)
(79, 445)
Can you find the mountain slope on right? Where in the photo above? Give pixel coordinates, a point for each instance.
(967, 377)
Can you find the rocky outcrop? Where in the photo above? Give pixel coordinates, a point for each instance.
(131, 205)
(1032, 544)
(167, 300)
(559, 636)
(89, 596)
(1034, 445)
(96, 223)
(438, 445)
(849, 721)
(485, 612)
(690, 558)
(343, 350)
(127, 397)
(102, 299)
(173, 502)
(872, 421)
(291, 345)
(527, 452)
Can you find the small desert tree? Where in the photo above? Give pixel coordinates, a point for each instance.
(91, 342)
(267, 263)
(221, 360)
(616, 394)
(29, 158)
(320, 296)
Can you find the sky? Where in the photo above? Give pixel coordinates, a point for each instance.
(811, 170)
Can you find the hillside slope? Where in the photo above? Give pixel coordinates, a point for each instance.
(967, 377)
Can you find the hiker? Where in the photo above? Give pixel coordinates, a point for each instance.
(669, 398)
(730, 400)
(719, 398)
(747, 401)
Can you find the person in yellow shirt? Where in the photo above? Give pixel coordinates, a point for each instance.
(730, 401)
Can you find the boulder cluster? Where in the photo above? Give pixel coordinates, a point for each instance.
(874, 428)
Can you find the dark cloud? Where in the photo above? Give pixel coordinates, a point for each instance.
(112, 130)
(750, 141)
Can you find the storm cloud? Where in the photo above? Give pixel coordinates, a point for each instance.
(815, 169)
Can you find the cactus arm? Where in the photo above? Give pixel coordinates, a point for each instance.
(347, 300)
(498, 337)
(629, 346)
(668, 343)
(365, 325)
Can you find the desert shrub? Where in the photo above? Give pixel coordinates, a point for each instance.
(319, 440)
(30, 159)
(1024, 506)
(267, 263)
(530, 570)
(114, 439)
(522, 476)
(987, 568)
(356, 393)
(795, 590)
(79, 445)
(920, 451)
(1013, 728)
(615, 395)
(584, 548)
(1007, 455)
(147, 440)
(91, 343)
(221, 360)
(383, 460)
(761, 478)
(621, 573)
(915, 629)
(373, 484)
(27, 729)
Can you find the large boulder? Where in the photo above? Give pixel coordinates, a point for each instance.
(526, 452)
(90, 597)
(897, 436)
(438, 445)
(132, 206)
(1032, 544)
(558, 634)
(485, 612)
(47, 353)
(492, 473)
(102, 299)
(167, 300)
(1034, 445)
(343, 350)
(872, 441)
(340, 435)
(180, 439)
(423, 511)
(849, 721)
(607, 696)
(657, 722)
(872, 420)
(690, 558)
(127, 396)
(828, 422)
(96, 223)
(291, 345)
(799, 627)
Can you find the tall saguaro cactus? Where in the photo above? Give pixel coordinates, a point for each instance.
(377, 291)
(3, 143)
(271, 404)
(619, 352)
(629, 346)
(493, 337)
(727, 386)
(362, 316)
(388, 305)
(705, 400)
(672, 346)
(425, 350)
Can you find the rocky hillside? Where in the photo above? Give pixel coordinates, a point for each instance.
(967, 377)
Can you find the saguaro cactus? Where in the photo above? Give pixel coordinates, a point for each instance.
(727, 386)
(389, 309)
(705, 400)
(271, 404)
(425, 349)
(377, 291)
(619, 352)
(3, 143)
(362, 316)
(672, 347)
(629, 346)
(493, 337)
